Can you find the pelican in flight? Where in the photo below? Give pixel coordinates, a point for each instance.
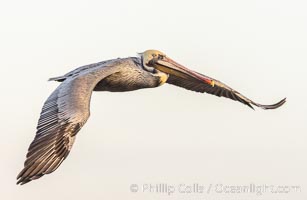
(68, 107)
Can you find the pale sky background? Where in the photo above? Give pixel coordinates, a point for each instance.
(165, 135)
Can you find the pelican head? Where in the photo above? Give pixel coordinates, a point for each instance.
(155, 61)
(149, 57)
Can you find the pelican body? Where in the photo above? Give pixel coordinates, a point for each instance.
(67, 108)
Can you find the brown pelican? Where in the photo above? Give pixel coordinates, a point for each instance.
(67, 108)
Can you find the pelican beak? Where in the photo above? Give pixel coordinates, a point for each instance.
(171, 67)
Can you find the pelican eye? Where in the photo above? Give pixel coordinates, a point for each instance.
(160, 57)
(151, 62)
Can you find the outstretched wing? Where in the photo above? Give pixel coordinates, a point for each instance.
(217, 88)
(63, 115)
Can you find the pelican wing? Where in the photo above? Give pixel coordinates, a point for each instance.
(81, 69)
(63, 115)
(219, 89)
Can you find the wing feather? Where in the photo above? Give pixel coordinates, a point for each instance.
(219, 89)
(62, 116)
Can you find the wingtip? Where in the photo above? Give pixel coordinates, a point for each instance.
(273, 106)
(20, 179)
(22, 182)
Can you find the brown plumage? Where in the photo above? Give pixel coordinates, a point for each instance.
(67, 108)
(219, 89)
